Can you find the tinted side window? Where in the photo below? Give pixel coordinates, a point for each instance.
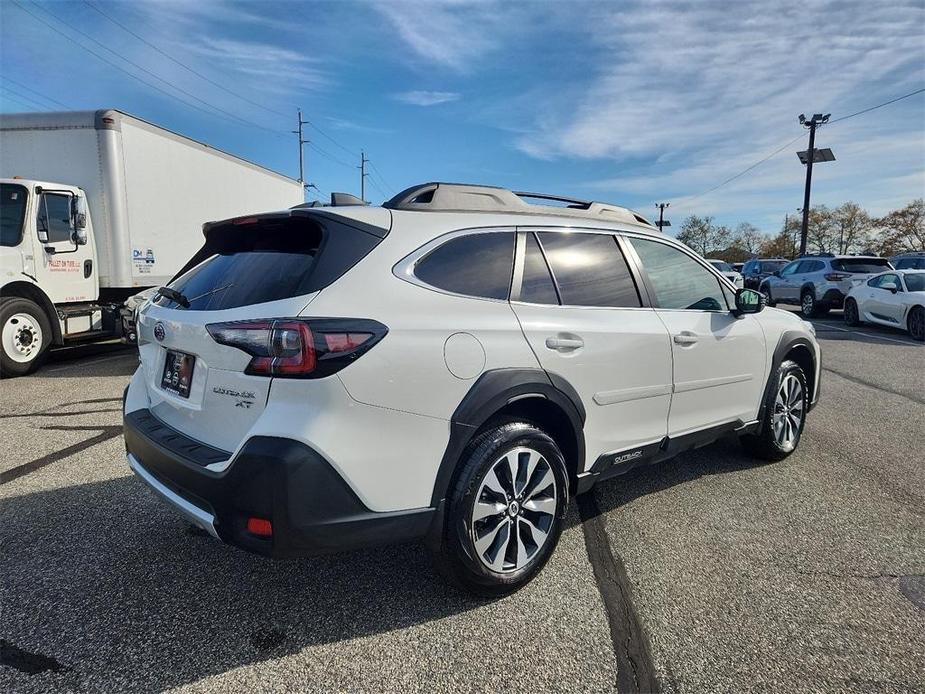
(475, 265)
(678, 280)
(12, 213)
(790, 269)
(536, 286)
(589, 269)
(55, 217)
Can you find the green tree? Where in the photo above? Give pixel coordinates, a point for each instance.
(852, 228)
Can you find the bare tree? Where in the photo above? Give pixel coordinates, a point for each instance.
(749, 238)
(852, 227)
(902, 230)
(703, 236)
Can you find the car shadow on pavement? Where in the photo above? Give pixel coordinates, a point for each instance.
(723, 456)
(108, 586)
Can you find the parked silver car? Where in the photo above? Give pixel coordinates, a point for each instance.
(817, 283)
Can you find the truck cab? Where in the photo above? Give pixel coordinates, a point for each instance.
(49, 272)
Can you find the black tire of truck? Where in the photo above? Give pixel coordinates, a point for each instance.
(25, 336)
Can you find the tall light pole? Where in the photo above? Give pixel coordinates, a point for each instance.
(808, 157)
(662, 223)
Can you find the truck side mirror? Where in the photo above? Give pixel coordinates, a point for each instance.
(79, 212)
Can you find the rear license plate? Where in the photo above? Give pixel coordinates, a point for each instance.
(178, 373)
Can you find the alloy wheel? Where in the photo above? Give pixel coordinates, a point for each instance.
(789, 406)
(514, 510)
(808, 304)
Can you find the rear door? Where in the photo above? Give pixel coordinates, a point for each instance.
(719, 359)
(582, 313)
(264, 269)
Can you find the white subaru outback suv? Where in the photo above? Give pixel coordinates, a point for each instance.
(452, 366)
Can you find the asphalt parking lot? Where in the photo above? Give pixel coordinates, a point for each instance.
(707, 573)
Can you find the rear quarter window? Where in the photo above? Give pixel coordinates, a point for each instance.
(479, 265)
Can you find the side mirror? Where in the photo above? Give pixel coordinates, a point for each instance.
(749, 301)
(776, 273)
(890, 286)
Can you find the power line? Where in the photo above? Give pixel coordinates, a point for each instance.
(24, 98)
(330, 156)
(382, 178)
(783, 147)
(351, 152)
(33, 91)
(874, 108)
(220, 113)
(181, 64)
(745, 171)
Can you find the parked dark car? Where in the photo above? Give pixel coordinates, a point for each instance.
(757, 269)
(909, 261)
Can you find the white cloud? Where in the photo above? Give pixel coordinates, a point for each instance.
(425, 98)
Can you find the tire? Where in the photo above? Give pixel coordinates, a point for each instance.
(809, 307)
(481, 555)
(851, 314)
(25, 336)
(916, 323)
(766, 290)
(783, 421)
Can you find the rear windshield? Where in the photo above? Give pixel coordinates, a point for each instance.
(861, 264)
(910, 264)
(267, 260)
(772, 265)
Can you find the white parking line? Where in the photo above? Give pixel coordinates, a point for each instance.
(858, 332)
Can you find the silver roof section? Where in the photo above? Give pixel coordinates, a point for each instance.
(464, 197)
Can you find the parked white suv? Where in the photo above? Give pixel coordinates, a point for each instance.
(452, 366)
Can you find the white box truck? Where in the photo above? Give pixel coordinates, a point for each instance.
(98, 205)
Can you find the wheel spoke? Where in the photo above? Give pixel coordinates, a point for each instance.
(513, 463)
(515, 546)
(779, 429)
(484, 543)
(493, 484)
(533, 459)
(486, 509)
(543, 478)
(541, 505)
(538, 535)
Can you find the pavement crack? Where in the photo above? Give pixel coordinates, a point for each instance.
(635, 669)
(861, 381)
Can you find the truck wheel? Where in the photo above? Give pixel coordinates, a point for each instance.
(784, 415)
(25, 335)
(504, 512)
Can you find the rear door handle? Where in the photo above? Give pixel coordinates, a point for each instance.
(685, 338)
(564, 344)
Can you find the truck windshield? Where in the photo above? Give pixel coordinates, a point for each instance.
(12, 213)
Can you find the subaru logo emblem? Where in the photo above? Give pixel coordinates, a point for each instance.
(159, 332)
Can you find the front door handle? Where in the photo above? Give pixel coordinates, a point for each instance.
(685, 338)
(564, 344)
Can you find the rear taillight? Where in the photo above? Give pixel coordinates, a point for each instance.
(837, 276)
(296, 348)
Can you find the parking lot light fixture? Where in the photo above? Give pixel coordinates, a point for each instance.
(808, 159)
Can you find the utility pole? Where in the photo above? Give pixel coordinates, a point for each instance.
(301, 142)
(661, 215)
(363, 162)
(817, 120)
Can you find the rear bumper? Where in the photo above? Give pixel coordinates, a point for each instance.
(312, 509)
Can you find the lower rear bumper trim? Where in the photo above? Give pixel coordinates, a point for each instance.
(199, 517)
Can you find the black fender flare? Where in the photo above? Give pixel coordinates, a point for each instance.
(491, 392)
(788, 340)
(810, 286)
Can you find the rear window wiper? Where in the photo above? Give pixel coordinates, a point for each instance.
(174, 295)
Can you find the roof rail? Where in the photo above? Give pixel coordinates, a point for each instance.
(464, 197)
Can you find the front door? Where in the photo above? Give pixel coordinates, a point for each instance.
(720, 360)
(786, 287)
(586, 323)
(67, 274)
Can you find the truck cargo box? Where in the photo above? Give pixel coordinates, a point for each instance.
(149, 190)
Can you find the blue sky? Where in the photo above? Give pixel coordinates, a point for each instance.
(628, 102)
